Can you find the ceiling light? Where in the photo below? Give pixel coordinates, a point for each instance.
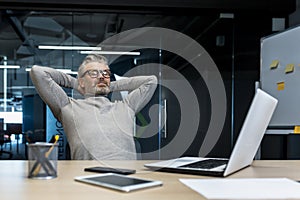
(9, 66)
(112, 52)
(67, 71)
(68, 47)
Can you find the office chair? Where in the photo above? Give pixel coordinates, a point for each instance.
(4, 139)
(38, 135)
(138, 148)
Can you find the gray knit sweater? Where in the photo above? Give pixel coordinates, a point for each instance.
(96, 128)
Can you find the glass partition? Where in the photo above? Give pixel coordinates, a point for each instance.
(191, 55)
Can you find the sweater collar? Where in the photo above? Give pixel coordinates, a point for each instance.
(96, 96)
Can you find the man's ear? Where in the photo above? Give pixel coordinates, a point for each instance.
(81, 83)
(80, 86)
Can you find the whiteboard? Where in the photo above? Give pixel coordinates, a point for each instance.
(280, 74)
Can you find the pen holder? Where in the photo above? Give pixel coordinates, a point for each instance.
(42, 160)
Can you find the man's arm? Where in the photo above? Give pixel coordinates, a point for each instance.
(141, 89)
(48, 83)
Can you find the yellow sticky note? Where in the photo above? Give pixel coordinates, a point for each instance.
(280, 86)
(297, 129)
(274, 64)
(289, 68)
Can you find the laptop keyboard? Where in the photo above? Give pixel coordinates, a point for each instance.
(206, 164)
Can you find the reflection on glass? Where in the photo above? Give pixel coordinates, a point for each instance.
(24, 36)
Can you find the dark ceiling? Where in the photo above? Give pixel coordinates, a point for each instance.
(172, 6)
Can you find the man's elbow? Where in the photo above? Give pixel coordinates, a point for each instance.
(36, 72)
(34, 69)
(153, 79)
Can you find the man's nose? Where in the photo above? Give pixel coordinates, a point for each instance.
(100, 76)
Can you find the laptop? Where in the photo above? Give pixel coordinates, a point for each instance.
(245, 148)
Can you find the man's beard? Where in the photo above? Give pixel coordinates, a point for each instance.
(102, 90)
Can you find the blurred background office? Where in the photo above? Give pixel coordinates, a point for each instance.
(52, 33)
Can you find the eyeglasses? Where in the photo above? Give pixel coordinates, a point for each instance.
(95, 73)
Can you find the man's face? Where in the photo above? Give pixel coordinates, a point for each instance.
(95, 85)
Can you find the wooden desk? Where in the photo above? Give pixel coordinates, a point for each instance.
(14, 183)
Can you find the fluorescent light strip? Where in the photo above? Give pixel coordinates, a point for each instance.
(67, 71)
(9, 66)
(68, 48)
(111, 52)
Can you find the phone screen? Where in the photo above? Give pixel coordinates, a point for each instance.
(109, 170)
(118, 180)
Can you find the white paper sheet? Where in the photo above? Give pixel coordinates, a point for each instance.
(249, 188)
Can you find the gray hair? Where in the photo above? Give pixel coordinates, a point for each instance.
(91, 58)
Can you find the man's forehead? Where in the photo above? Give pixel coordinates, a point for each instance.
(96, 65)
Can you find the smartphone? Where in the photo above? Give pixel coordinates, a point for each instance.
(118, 182)
(110, 170)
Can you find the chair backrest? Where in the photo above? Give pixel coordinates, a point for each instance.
(37, 135)
(2, 133)
(14, 128)
(138, 148)
(4, 137)
(1, 124)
